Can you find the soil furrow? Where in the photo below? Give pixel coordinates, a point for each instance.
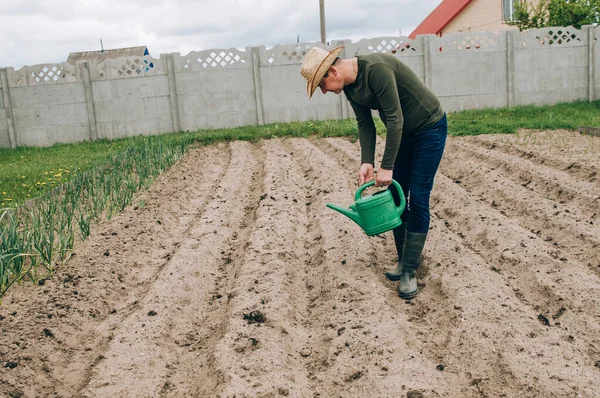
(90, 295)
(222, 239)
(316, 345)
(169, 318)
(317, 348)
(548, 287)
(369, 350)
(427, 314)
(572, 235)
(437, 318)
(556, 185)
(564, 150)
(455, 317)
(261, 353)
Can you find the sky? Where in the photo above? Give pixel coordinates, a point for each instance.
(45, 31)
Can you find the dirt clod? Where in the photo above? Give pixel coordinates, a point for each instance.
(559, 313)
(305, 352)
(354, 376)
(255, 317)
(11, 365)
(542, 318)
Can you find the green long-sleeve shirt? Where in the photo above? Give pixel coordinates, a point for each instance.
(404, 102)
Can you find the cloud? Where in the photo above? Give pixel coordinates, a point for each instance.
(46, 31)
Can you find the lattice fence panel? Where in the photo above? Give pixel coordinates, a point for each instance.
(398, 46)
(42, 74)
(471, 42)
(554, 37)
(287, 54)
(126, 67)
(215, 59)
(475, 42)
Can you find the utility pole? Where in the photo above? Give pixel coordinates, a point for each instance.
(322, 7)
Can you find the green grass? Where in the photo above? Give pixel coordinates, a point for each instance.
(27, 173)
(567, 116)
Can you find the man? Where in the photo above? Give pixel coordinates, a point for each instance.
(415, 139)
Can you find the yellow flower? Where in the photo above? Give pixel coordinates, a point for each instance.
(59, 175)
(3, 193)
(45, 173)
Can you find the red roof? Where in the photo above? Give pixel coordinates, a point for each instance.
(440, 17)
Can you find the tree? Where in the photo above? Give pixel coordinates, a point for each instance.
(574, 13)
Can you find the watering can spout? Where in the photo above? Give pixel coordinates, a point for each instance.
(350, 213)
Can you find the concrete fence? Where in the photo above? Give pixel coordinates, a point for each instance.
(58, 103)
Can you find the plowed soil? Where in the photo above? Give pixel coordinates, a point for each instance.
(229, 277)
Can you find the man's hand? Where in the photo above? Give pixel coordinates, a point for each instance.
(365, 173)
(384, 177)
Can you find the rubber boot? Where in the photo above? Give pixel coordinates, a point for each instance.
(413, 247)
(399, 235)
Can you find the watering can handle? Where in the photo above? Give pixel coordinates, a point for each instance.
(360, 190)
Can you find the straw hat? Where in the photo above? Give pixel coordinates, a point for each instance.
(316, 64)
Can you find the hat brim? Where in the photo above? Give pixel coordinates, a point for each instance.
(315, 81)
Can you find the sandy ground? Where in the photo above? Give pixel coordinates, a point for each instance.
(229, 277)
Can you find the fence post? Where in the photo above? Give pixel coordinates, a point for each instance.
(591, 67)
(89, 99)
(170, 64)
(510, 68)
(260, 112)
(12, 133)
(426, 60)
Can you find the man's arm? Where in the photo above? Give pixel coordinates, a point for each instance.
(368, 139)
(382, 81)
(366, 132)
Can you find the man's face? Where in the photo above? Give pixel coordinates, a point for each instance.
(331, 82)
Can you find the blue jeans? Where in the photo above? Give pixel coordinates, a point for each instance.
(417, 162)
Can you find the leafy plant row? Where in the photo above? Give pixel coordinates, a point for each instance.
(35, 238)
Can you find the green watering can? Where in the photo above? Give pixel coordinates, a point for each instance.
(377, 213)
